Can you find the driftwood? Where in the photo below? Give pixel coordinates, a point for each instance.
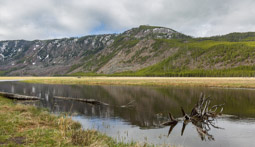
(91, 101)
(202, 116)
(96, 102)
(18, 96)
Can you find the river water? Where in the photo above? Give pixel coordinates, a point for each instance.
(150, 107)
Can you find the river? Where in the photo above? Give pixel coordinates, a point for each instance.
(150, 107)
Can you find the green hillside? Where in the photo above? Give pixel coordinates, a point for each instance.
(235, 59)
(221, 56)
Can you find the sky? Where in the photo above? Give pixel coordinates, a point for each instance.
(47, 19)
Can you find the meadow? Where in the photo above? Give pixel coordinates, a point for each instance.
(230, 82)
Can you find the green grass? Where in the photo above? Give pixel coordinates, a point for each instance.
(86, 74)
(241, 71)
(2, 73)
(156, 71)
(23, 125)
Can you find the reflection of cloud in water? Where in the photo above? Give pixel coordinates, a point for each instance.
(12, 89)
(235, 134)
(47, 97)
(33, 89)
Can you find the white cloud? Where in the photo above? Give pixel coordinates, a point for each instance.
(43, 19)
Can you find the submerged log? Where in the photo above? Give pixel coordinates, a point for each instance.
(91, 101)
(18, 96)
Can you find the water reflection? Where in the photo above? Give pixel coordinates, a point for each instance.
(152, 105)
(201, 128)
(202, 116)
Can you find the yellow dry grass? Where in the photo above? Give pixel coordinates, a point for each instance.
(166, 81)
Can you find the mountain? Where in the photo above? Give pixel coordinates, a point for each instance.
(142, 51)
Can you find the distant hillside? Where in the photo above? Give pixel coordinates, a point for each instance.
(142, 51)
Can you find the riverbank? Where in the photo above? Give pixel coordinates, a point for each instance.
(24, 125)
(165, 81)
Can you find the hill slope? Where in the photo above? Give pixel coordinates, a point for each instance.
(142, 51)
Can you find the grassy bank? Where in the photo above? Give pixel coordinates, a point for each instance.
(23, 125)
(202, 82)
(165, 81)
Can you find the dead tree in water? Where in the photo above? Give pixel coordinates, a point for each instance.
(202, 116)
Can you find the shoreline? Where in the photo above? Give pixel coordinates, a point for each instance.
(25, 125)
(221, 82)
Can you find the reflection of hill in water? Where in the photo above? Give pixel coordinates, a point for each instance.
(152, 103)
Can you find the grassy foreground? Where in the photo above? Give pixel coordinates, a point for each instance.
(23, 125)
(177, 81)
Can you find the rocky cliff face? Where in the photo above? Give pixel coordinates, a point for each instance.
(110, 53)
(48, 57)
